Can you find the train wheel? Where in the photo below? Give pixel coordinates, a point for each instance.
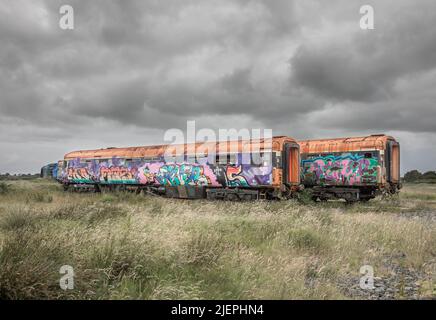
(231, 197)
(211, 195)
(97, 188)
(247, 197)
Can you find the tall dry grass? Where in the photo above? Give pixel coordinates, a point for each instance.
(125, 246)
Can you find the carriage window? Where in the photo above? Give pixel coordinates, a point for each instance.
(255, 158)
(232, 158)
(261, 159)
(266, 159)
(190, 158)
(368, 155)
(278, 161)
(220, 159)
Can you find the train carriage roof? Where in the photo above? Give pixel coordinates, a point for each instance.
(159, 150)
(372, 142)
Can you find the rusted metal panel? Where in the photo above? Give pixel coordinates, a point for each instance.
(159, 150)
(373, 142)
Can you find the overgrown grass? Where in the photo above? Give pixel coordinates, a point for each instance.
(4, 188)
(127, 246)
(18, 217)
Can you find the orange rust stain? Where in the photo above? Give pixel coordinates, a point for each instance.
(277, 177)
(159, 150)
(373, 142)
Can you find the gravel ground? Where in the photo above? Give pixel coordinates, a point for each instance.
(399, 283)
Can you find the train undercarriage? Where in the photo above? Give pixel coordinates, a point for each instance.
(353, 194)
(318, 193)
(191, 192)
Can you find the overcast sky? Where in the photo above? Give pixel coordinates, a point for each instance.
(132, 69)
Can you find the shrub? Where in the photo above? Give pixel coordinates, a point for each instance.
(305, 196)
(412, 176)
(29, 264)
(4, 188)
(17, 218)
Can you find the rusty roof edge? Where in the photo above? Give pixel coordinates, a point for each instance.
(346, 139)
(77, 153)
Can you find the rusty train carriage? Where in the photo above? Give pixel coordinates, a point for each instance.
(144, 168)
(358, 168)
(354, 169)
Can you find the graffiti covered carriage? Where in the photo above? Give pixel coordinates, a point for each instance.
(351, 168)
(228, 176)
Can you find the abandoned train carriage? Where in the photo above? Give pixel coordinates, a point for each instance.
(145, 168)
(351, 168)
(49, 171)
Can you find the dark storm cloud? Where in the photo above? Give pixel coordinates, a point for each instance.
(131, 69)
(365, 66)
(89, 71)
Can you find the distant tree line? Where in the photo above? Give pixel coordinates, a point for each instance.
(20, 176)
(416, 176)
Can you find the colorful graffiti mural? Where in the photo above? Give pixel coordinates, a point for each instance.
(116, 174)
(234, 178)
(176, 174)
(340, 169)
(79, 175)
(139, 171)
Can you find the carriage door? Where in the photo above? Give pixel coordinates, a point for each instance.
(292, 163)
(393, 162)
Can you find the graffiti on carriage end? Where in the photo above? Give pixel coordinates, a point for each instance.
(346, 169)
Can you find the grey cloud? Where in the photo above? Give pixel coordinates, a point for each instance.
(365, 65)
(131, 69)
(333, 72)
(238, 81)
